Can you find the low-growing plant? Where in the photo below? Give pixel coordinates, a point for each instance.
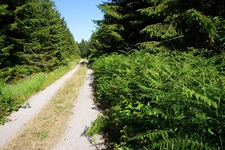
(12, 74)
(12, 96)
(96, 127)
(169, 100)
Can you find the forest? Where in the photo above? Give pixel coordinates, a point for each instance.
(34, 41)
(159, 74)
(158, 67)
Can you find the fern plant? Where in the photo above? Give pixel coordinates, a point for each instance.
(170, 100)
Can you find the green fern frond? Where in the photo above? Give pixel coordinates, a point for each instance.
(180, 144)
(190, 93)
(3, 10)
(151, 135)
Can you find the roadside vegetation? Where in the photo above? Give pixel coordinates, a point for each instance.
(159, 74)
(158, 68)
(12, 96)
(46, 129)
(36, 47)
(162, 101)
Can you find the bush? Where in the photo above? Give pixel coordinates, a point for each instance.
(162, 101)
(12, 74)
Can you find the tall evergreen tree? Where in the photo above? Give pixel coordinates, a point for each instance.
(128, 24)
(34, 38)
(84, 48)
(121, 24)
(4, 45)
(179, 21)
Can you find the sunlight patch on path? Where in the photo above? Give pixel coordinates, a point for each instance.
(84, 114)
(37, 101)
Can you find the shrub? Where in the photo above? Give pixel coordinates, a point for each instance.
(162, 101)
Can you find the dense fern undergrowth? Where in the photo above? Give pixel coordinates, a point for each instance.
(169, 100)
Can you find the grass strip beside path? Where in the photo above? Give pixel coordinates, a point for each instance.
(12, 96)
(45, 130)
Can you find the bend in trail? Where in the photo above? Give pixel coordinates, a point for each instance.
(37, 101)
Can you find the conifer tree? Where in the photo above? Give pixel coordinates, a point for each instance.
(4, 45)
(169, 23)
(121, 24)
(179, 21)
(84, 48)
(33, 38)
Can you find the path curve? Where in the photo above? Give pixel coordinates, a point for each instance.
(37, 102)
(84, 114)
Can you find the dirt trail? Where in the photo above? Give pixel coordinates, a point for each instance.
(84, 113)
(37, 101)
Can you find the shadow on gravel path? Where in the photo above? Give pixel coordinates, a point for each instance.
(83, 116)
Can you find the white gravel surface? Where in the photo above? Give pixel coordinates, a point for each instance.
(37, 101)
(84, 114)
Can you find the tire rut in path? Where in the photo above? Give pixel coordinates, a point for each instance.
(84, 114)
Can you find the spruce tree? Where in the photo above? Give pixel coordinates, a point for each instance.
(175, 24)
(33, 38)
(84, 48)
(5, 46)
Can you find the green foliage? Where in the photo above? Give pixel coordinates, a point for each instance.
(159, 98)
(84, 49)
(222, 33)
(96, 127)
(173, 24)
(33, 38)
(3, 10)
(160, 31)
(14, 73)
(111, 10)
(169, 100)
(201, 22)
(12, 96)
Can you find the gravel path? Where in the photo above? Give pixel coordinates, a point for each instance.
(37, 101)
(84, 114)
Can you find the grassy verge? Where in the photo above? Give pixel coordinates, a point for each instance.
(45, 130)
(12, 96)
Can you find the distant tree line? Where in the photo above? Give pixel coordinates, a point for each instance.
(84, 49)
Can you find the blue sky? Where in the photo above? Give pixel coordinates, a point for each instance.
(79, 15)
